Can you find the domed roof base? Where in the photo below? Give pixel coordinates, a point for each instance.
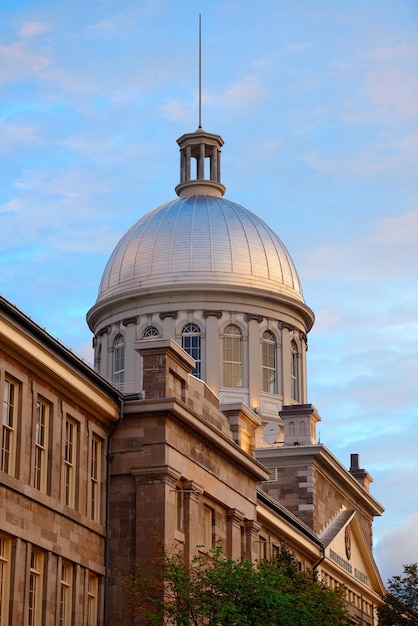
(200, 240)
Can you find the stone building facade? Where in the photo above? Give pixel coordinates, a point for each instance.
(57, 417)
(194, 425)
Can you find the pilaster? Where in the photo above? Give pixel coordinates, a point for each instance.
(252, 530)
(155, 489)
(234, 521)
(254, 360)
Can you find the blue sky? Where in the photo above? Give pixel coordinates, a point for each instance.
(318, 105)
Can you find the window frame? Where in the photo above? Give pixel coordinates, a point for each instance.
(233, 368)
(95, 477)
(5, 564)
(208, 527)
(10, 418)
(294, 372)
(92, 599)
(70, 461)
(41, 444)
(269, 362)
(65, 594)
(191, 332)
(150, 332)
(35, 590)
(118, 360)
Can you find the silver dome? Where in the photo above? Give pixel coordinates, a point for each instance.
(200, 240)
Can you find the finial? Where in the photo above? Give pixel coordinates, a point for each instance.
(200, 70)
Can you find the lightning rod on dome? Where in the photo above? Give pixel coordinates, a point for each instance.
(200, 70)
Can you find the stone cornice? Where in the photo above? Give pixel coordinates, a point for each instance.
(204, 428)
(286, 456)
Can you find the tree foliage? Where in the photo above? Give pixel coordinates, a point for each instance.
(400, 606)
(217, 591)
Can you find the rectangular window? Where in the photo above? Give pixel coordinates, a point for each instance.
(65, 605)
(70, 456)
(10, 408)
(95, 477)
(209, 522)
(41, 445)
(243, 542)
(180, 509)
(35, 589)
(262, 549)
(273, 475)
(92, 600)
(4, 580)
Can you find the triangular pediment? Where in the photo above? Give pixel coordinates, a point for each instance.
(346, 545)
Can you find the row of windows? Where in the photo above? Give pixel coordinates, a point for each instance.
(41, 457)
(232, 357)
(352, 598)
(36, 589)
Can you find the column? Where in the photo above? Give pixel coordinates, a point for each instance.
(286, 340)
(187, 165)
(201, 162)
(132, 382)
(303, 373)
(192, 534)
(155, 510)
(212, 357)
(254, 359)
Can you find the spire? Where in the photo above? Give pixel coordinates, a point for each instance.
(203, 150)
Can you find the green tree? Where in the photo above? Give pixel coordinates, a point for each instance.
(218, 591)
(400, 607)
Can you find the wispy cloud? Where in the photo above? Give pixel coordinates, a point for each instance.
(244, 95)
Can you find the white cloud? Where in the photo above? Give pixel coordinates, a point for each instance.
(13, 135)
(393, 91)
(244, 95)
(397, 547)
(399, 230)
(29, 30)
(18, 62)
(180, 111)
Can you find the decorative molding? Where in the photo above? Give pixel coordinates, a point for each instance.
(234, 515)
(131, 320)
(103, 331)
(217, 314)
(286, 325)
(154, 475)
(304, 337)
(251, 316)
(172, 314)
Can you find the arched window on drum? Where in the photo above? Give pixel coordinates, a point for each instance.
(150, 332)
(232, 353)
(294, 372)
(269, 363)
(119, 360)
(191, 343)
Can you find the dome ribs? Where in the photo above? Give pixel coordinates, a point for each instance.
(221, 242)
(200, 240)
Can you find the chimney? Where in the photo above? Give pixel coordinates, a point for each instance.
(361, 475)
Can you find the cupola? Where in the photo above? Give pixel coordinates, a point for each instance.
(200, 151)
